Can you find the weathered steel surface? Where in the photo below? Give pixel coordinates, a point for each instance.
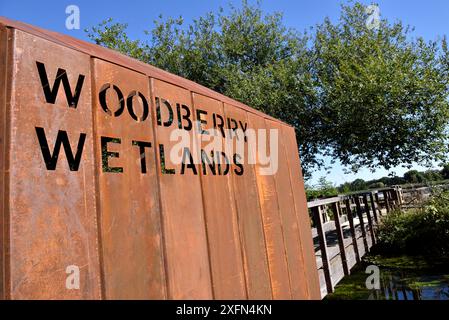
(115, 204)
(304, 223)
(274, 237)
(250, 222)
(188, 269)
(293, 249)
(52, 212)
(222, 229)
(129, 200)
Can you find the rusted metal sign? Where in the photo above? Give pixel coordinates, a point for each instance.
(122, 181)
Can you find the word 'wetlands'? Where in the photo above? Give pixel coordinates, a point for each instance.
(177, 116)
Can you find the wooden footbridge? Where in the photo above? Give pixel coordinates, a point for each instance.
(344, 230)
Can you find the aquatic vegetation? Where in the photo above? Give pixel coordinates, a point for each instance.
(412, 256)
(424, 230)
(401, 278)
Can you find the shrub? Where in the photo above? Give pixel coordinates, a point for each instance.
(376, 185)
(424, 230)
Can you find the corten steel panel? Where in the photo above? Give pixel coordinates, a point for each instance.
(3, 153)
(274, 235)
(302, 212)
(290, 227)
(52, 212)
(250, 220)
(228, 280)
(132, 251)
(187, 257)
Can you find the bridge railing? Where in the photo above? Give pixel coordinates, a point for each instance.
(344, 229)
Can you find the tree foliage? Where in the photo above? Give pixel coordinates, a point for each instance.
(364, 97)
(414, 176)
(323, 189)
(383, 95)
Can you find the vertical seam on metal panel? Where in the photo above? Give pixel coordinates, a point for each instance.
(159, 189)
(99, 242)
(10, 39)
(262, 220)
(254, 180)
(237, 219)
(203, 206)
(281, 222)
(3, 244)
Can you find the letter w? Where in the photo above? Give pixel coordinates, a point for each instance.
(52, 159)
(61, 75)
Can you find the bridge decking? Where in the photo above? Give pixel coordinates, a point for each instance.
(337, 273)
(340, 246)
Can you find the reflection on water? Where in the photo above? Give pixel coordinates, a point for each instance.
(401, 278)
(403, 287)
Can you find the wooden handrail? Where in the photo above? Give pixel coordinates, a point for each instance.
(363, 210)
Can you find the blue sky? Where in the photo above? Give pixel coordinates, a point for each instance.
(430, 19)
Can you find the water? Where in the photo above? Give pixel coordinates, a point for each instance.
(401, 278)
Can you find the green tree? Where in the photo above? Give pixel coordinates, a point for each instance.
(432, 175)
(414, 176)
(322, 189)
(365, 97)
(344, 187)
(358, 185)
(326, 188)
(376, 185)
(383, 95)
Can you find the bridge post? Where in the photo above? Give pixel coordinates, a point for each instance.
(336, 209)
(370, 221)
(316, 212)
(373, 206)
(362, 224)
(379, 205)
(399, 193)
(386, 200)
(401, 196)
(351, 227)
(394, 199)
(395, 194)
